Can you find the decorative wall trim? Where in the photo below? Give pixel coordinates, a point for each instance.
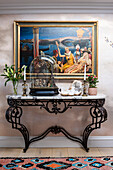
(76, 7)
(94, 141)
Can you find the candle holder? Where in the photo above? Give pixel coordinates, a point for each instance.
(24, 88)
(84, 88)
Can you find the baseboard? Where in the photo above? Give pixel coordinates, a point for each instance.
(94, 141)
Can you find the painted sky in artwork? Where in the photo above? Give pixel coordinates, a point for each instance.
(60, 32)
(53, 32)
(26, 33)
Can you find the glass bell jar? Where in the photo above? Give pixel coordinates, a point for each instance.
(41, 77)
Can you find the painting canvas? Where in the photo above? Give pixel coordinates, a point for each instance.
(71, 45)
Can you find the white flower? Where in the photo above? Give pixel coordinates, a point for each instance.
(15, 75)
(23, 66)
(11, 70)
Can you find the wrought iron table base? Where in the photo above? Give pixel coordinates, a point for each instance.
(97, 112)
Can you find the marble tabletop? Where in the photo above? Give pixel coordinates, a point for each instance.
(59, 96)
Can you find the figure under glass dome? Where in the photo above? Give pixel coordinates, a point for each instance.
(41, 77)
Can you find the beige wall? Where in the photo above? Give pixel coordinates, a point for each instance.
(74, 120)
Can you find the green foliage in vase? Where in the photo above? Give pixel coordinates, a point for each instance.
(10, 74)
(92, 80)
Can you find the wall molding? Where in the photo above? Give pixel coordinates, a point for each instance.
(67, 8)
(48, 142)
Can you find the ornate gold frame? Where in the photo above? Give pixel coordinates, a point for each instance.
(93, 24)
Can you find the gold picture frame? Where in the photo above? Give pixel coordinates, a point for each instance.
(68, 34)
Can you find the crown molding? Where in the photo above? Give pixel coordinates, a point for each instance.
(67, 8)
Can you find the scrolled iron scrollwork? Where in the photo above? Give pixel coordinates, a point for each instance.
(97, 111)
(56, 107)
(99, 115)
(55, 129)
(13, 115)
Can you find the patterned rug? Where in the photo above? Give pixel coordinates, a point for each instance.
(70, 163)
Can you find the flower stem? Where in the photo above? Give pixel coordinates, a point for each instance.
(15, 84)
(15, 91)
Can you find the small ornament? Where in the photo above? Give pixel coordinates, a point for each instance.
(24, 88)
(84, 88)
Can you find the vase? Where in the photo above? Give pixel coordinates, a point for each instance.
(15, 86)
(92, 91)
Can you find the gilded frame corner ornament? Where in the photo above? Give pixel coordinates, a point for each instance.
(86, 34)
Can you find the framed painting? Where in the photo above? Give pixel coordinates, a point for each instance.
(72, 45)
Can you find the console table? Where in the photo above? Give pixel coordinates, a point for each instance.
(59, 104)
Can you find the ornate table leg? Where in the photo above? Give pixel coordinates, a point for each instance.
(13, 115)
(97, 112)
(99, 115)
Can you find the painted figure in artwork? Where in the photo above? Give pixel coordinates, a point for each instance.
(77, 53)
(57, 65)
(70, 60)
(79, 67)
